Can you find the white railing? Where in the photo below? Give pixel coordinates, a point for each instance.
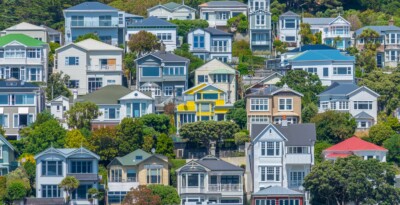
(104, 67)
(93, 23)
(220, 48)
(260, 42)
(192, 190)
(225, 187)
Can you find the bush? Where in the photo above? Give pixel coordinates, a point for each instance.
(15, 191)
(241, 138)
(175, 164)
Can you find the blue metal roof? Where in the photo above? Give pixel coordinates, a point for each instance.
(380, 29)
(277, 190)
(153, 21)
(311, 47)
(91, 6)
(339, 89)
(320, 55)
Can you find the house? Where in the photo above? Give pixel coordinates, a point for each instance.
(8, 157)
(20, 102)
(171, 11)
(272, 104)
(23, 58)
(294, 52)
(58, 107)
(389, 50)
(54, 164)
(53, 35)
(210, 43)
(277, 195)
(330, 65)
(280, 155)
(334, 31)
(360, 102)
(134, 169)
(260, 28)
(90, 64)
(163, 74)
(210, 180)
(165, 31)
(217, 13)
(132, 19)
(261, 82)
(94, 17)
(33, 31)
(355, 146)
(288, 29)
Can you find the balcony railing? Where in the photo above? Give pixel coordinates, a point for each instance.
(111, 23)
(225, 187)
(193, 189)
(260, 42)
(104, 67)
(220, 48)
(120, 180)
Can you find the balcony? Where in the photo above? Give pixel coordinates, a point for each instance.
(298, 159)
(225, 188)
(88, 24)
(193, 190)
(86, 176)
(122, 184)
(334, 35)
(260, 43)
(220, 49)
(104, 67)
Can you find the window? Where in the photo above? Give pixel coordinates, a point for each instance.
(70, 61)
(326, 72)
(265, 202)
(81, 167)
(219, 46)
(342, 70)
(290, 120)
(222, 15)
(15, 53)
(270, 174)
(285, 104)
(270, 149)
(187, 118)
(207, 96)
(4, 121)
(333, 105)
(290, 23)
(150, 71)
(392, 56)
(111, 82)
(289, 202)
(221, 78)
(153, 176)
(4, 100)
(77, 21)
(296, 178)
(25, 99)
(52, 168)
(111, 113)
(94, 84)
(50, 191)
(259, 119)
(1, 53)
(73, 84)
(198, 41)
(364, 124)
(260, 20)
(104, 20)
(202, 79)
(131, 175)
(297, 150)
(363, 105)
(81, 192)
(258, 104)
(204, 107)
(33, 53)
(164, 36)
(168, 90)
(22, 120)
(34, 74)
(174, 71)
(116, 175)
(311, 70)
(290, 38)
(343, 105)
(324, 105)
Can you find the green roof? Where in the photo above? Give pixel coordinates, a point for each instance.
(21, 38)
(222, 71)
(172, 5)
(130, 159)
(108, 95)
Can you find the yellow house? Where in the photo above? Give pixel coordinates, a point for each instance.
(201, 103)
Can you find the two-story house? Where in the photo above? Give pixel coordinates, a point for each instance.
(360, 102)
(280, 155)
(389, 50)
(90, 64)
(171, 11)
(164, 74)
(165, 31)
(330, 65)
(288, 29)
(20, 102)
(335, 31)
(210, 43)
(210, 180)
(272, 104)
(260, 29)
(94, 17)
(54, 164)
(355, 146)
(23, 58)
(8, 156)
(58, 106)
(134, 169)
(36, 32)
(217, 13)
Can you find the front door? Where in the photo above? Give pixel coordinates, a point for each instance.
(379, 57)
(136, 109)
(15, 73)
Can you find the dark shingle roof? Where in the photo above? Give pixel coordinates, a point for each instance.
(217, 32)
(277, 190)
(310, 47)
(380, 29)
(318, 21)
(299, 134)
(289, 13)
(256, 129)
(216, 164)
(91, 6)
(267, 91)
(168, 57)
(108, 95)
(223, 4)
(50, 30)
(85, 176)
(153, 21)
(130, 159)
(339, 89)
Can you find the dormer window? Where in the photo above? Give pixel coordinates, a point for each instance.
(138, 158)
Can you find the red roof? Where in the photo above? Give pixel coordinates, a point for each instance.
(337, 155)
(355, 144)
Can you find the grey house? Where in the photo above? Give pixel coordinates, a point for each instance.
(163, 74)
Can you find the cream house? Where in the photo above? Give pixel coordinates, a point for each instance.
(171, 11)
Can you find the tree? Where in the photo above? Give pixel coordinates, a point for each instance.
(2, 131)
(165, 146)
(276, 10)
(306, 34)
(56, 86)
(3, 189)
(308, 112)
(30, 170)
(184, 26)
(241, 138)
(241, 48)
(239, 116)
(354, 21)
(105, 143)
(87, 36)
(380, 132)
(143, 42)
(129, 66)
(238, 23)
(366, 60)
(393, 145)
(75, 139)
(94, 194)
(130, 134)
(160, 123)
(327, 126)
(279, 46)
(148, 143)
(21, 176)
(141, 196)
(69, 184)
(318, 148)
(168, 194)
(81, 114)
(15, 191)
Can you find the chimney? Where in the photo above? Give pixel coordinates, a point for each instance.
(75, 94)
(391, 22)
(284, 121)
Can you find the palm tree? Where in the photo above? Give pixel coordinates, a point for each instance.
(69, 184)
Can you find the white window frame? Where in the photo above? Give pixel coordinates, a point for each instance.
(6, 124)
(285, 104)
(259, 104)
(274, 145)
(369, 105)
(336, 70)
(259, 119)
(324, 105)
(266, 170)
(76, 60)
(343, 105)
(167, 90)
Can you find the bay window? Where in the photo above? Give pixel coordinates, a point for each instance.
(150, 71)
(290, 23)
(285, 104)
(15, 53)
(51, 191)
(343, 105)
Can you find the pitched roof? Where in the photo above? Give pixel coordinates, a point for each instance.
(289, 13)
(108, 95)
(223, 4)
(15, 83)
(322, 55)
(136, 95)
(217, 32)
(90, 6)
(215, 66)
(311, 47)
(355, 144)
(5, 141)
(216, 164)
(277, 190)
(172, 5)
(271, 90)
(50, 30)
(151, 22)
(130, 159)
(21, 38)
(363, 115)
(166, 57)
(339, 89)
(318, 21)
(66, 152)
(94, 45)
(380, 29)
(25, 26)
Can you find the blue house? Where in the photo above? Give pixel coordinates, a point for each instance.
(7, 157)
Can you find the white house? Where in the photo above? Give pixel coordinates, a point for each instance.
(260, 29)
(210, 180)
(171, 11)
(53, 165)
(360, 102)
(288, 29)
(335, 31)
(210, 43)
(36, 32)
(165, 31)
(330, 65)
(90, 64)
(217, 13)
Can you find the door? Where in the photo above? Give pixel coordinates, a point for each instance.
(15, 73)
(136, 109)
(379, 57)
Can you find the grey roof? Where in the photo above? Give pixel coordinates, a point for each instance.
(270, 90)
(216, 164)
(256, 129)
(289, 13)
(339, 89)
(153, 21)
(311, 47)
(168, 57)
(128, 15)
(50, 30)
(318, 21)
(15, 83)
(85, 176)
(223, 4)
(299, 134)
(90, 6)
(172, 5)
(363, 115)
(380, 29)
(277, 190)
(44, 201)
(5, 141)
(217, 32)
(66, 151)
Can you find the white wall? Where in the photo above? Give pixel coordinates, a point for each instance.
(364, 96)
(170, 45)
(182, 14)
